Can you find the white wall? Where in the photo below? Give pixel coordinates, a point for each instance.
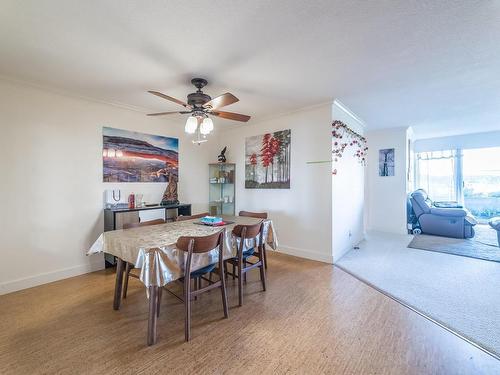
(348, 198)
(51, 180)
(52, 189)
(386, 196)
(302, 214)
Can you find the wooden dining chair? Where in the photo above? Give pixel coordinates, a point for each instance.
(242, 233)
(200, 245)
(129, 266)
(190, 217)
(257, 215)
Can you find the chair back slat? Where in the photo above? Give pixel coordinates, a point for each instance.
(257, 215)
(186, 217)
(143, 224)
(247, 231)
(200, 244)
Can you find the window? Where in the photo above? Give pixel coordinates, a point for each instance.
(470, 177)
(481, 179)
(436, 174)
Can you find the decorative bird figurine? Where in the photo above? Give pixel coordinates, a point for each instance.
(222, 158)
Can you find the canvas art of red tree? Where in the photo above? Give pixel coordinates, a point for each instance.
(268, 161)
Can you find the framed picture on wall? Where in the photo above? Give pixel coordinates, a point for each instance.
(267, 161)
(129, 156)
(386, 162)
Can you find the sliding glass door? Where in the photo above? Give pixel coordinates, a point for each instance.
(470, 177)
(481, 181)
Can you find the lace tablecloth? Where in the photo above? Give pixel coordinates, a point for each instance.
(152, 248)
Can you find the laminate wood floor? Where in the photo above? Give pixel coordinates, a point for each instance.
(314, 319)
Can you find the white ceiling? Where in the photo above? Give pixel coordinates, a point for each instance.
(431, 64)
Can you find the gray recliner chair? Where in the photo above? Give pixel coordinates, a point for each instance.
(455, 222)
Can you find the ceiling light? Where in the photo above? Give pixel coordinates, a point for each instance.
(191, 125)
(206, 126)
(209, 124)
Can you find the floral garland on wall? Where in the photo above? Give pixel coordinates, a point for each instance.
(343, 137)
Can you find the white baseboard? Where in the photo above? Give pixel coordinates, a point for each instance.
(48, 277)
(308, 254)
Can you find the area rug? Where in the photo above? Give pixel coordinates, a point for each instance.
(458, 292)
(482, 246)
(486, 235)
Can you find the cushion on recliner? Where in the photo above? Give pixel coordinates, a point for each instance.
(420, 202)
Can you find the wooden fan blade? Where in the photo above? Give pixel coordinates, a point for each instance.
(167, 113)
(231, 116)
(170, 98)
(221, 101)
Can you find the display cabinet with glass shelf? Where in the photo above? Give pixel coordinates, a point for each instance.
(221, 188)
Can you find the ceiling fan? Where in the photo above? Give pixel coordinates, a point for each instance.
(200, 106)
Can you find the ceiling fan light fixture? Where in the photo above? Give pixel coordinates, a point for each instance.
(206, 126)
(199, 106)
(191, 125)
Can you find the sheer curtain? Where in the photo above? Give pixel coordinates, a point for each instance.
(439, 173)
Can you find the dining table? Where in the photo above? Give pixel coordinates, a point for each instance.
(152, 250)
